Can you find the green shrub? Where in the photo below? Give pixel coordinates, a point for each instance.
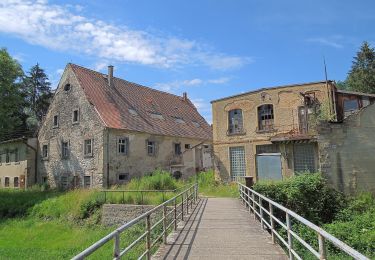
(158, 180)
(209, 186)
(308, 195)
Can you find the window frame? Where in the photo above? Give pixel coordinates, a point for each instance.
(74, 122)
(55, 124)
(177, 151)
(7, 157)
(6, 182)
(87, 185)
(235, 120)
(47, 151)
(125, 144)
(16, 182)
(266, 127)
(152, 146)
(126, 177)
(63, 149)
(85, 145)
(16, 156)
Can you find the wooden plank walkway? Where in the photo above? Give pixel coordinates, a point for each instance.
(219, 228)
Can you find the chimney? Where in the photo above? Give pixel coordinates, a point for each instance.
(110, 75)
(184, 96)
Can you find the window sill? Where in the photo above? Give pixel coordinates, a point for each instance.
(266, 131)
(235, 134)
(75, 123)
(88, 156)
(45, 159)
(16, 162)
(55, 127)
(7, 163)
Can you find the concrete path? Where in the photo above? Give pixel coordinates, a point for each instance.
(220, 228)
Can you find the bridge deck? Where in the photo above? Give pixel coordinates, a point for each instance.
(220, 228)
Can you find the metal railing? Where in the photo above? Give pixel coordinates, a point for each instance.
(187, 198)
(240, 179)
(255, 202)
(141, 192)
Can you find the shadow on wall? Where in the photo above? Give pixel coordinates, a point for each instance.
(220, 170)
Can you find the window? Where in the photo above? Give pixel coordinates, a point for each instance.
(65, 150)
(75, 116)
(237, 161)
(87, 147)
(56, 121)
(6, 182)
(15, 182)
(177, 148)
(16, 156)
(86, 182)
(45, 180)
(67, 87)
(350, 105)
(177, 175)
(156, 115)
(304, 158)
(178, 119)
(64, 182)
(151, 148)
(45, 151)
(123, 145)
(196, 124)
(123, 176)
(7, 157)
(133, 112)
(265, 117)
(235, 124)
(187, 146)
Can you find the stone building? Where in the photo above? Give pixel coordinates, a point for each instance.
(272, 133)
(101, 130)
(18, 163)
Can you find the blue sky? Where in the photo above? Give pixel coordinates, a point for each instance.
(210, 49)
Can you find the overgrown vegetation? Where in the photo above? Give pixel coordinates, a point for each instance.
(352, 220)
(209, 186)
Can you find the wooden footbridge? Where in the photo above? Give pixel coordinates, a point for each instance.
(188, 227)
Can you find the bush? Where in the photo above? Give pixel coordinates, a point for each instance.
(308, 195)
(158, 180)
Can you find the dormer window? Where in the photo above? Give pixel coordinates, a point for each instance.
(67, 87)
(196, 124)
(178, 119)
(156, 115)
(133, 112)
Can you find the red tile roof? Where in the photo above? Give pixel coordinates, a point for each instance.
(113, 104)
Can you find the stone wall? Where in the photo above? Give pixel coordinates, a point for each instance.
(285, 101)
(119, 214)
(347, 152)
(89, 126)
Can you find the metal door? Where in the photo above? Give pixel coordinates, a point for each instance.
(269, 166)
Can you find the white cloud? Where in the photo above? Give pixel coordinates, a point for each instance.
(60, 27)
(174, 85)
(332, 41)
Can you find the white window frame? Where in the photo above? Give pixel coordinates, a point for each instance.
(151, 145)
(123, 141)
(86, 143)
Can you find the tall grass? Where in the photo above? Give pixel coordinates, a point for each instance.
(209, 186)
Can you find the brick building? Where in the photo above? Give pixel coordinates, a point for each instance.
(272, 133)
(101, 130)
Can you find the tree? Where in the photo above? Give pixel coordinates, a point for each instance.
(361, 77)
(11, 99)
(37, 95)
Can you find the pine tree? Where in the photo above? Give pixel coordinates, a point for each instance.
(361, 77)
(11, 100)
(37, 95)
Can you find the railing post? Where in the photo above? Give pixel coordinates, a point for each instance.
(175, 214)
(290, 241)
(253, 199)
(187, 202)
(182, 206)
(148, 237)
(272, 223)
(165, 224)
(105, 197)
(261, 212)
(322, 247)
(116, 247)
(123, 197)
(192, 199)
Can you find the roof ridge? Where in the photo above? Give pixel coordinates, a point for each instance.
(137, 84)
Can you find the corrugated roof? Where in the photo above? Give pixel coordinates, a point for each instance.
(113, 105)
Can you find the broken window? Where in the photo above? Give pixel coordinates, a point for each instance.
(6, 182)
(123, 145)
(237, 161)
(151, 148)
(177, 148)
(87, 149)
(67, 87)
(55, 121)
(265, 117)
(45, 151)
(235, 124)
(65, 150)
(75, 116)
(350, 106)
(16, 182)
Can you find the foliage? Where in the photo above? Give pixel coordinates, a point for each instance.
(209, 186)
(10, 95)
(361, 77)
(306, 194)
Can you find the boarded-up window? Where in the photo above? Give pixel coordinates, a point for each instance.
(237, 161)
(304, 158)
(235, 122)
(265, 117)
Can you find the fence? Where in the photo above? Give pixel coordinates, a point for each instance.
(255, 202)
(188, 197)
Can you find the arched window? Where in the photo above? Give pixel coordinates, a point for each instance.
(235, 124)
(265, 117)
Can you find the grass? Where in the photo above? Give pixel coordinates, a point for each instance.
(210, 187)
